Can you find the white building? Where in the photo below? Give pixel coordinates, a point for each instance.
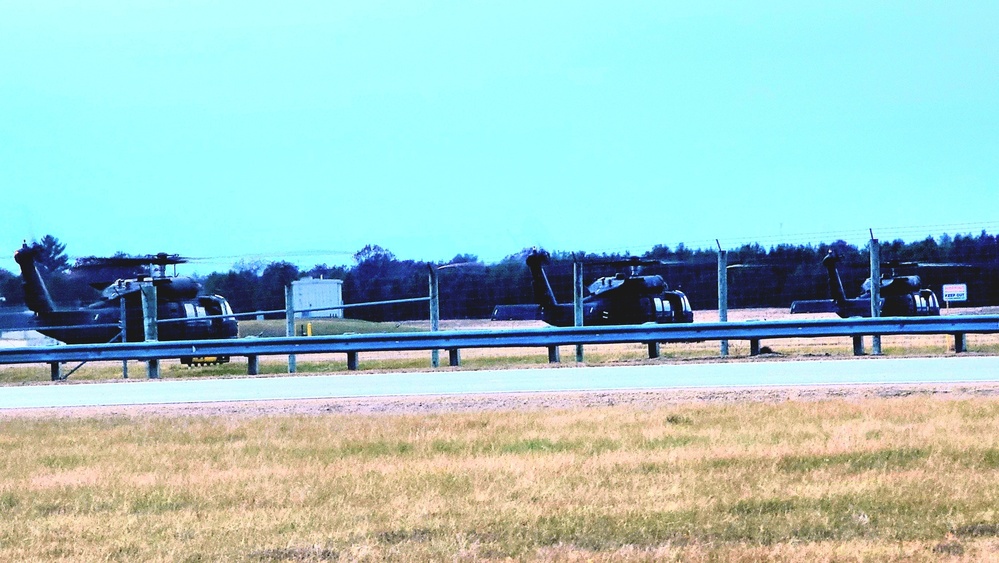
(310, 293)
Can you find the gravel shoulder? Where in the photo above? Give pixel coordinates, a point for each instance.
(432, 405)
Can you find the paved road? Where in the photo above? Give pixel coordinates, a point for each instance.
(629, 378)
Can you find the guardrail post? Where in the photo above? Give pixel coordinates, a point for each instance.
(453, 357)
(960, 343)
(754, 346)
(653, 350)
(553, 357)
(352, 361)
(858, 345)
(289, 314)
(56, 370)
(252, 365)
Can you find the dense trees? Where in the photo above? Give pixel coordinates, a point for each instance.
(469, 288)
(759, 277)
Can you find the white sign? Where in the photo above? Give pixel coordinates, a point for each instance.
(955, 292)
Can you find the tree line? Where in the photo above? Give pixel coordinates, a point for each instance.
(469, 288)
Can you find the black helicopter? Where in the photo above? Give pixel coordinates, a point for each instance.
(624, 298)
(189, 314)
(901, 295)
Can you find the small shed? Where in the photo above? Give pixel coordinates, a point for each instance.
(312, 293)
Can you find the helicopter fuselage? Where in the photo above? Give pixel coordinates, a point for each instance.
(621, 299)
(634, 300)
(182, 313)
(900, 296)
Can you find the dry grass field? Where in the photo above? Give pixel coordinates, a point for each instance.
(907, 473)
(909, 478)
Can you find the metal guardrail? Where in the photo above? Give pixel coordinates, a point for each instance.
(753, 331)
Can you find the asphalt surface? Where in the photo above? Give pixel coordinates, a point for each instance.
(859, 371)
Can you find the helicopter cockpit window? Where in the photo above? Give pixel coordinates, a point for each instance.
(189, 310)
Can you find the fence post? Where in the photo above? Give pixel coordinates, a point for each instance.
(124, 335)
(148, 292)
(960, 343)
(435, 314)
(723, 294)
(875, 292)
(577, 302)
(289, 314)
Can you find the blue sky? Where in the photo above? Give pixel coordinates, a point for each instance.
(306, 130)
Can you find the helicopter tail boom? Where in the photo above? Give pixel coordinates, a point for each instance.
(543, 294)
(835, 283)
(814, 306)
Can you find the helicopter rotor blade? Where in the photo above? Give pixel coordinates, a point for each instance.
(922, 265)
(162, 258)
(634, 261)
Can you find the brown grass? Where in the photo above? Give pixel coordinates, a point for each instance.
(906, 479)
